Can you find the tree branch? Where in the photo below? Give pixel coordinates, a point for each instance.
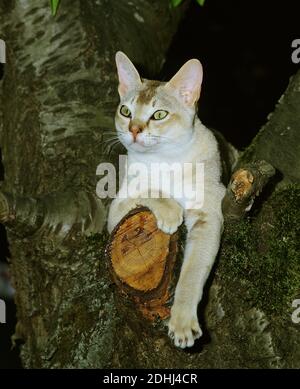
(245, 184)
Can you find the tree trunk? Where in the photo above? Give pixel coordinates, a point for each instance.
(57, 100)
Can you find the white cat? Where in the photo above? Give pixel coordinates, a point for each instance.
(157, 122)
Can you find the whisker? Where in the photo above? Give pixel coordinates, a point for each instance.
(108, 150)
(108, 145)
(111, 145)
(113, 132)
(109, 133)
(163, 137)
(160, 137)
(109, 140)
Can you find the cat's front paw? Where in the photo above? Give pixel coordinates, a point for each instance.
(117, 210)
(168, 218)
(183, 326)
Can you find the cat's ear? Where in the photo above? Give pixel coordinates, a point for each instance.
(187, 82)
(129, 77)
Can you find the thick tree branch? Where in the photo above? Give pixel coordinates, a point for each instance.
(57, 214)
(57, 103)
(246, 183)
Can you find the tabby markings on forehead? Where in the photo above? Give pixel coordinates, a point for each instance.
(148, 92)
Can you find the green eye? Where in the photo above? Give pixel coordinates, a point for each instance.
(160, 114)
(125, 111)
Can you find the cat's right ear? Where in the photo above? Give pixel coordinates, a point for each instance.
(129, 77)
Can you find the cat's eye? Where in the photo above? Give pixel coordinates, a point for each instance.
(160, 114)
(125, 111)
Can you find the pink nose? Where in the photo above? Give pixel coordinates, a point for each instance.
(135, 130)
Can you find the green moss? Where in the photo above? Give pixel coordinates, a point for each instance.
(96, 243)
(264, 253)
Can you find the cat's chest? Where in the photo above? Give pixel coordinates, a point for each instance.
(180, 178)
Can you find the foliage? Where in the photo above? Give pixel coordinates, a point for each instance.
(175, 3)
(54, 6)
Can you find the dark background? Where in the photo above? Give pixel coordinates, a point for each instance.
(245, 49)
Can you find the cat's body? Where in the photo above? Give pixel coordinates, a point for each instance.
(157, 123)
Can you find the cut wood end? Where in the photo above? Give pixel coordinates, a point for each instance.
(138, 252)
(141, 262)
(241, 184)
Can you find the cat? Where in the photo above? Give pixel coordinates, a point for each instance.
(157, 122)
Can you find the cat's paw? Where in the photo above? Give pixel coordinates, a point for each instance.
(184, 328)
(168, 218)
(113, 219)
(117, 210)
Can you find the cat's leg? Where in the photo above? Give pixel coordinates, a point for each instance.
(202, 244)
(168, 213)
(117, 210)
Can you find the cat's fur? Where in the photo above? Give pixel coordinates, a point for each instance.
(180, 137)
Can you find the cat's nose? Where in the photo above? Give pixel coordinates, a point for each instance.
(135, 129)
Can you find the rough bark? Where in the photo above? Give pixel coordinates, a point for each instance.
(57, 100)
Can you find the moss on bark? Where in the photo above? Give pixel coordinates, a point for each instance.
(263, 253)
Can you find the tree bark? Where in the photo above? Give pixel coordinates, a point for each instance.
(57, 100)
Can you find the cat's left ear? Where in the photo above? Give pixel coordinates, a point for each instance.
(187, 82)
(129, 78)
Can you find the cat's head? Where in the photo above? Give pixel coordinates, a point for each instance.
(153, 115)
